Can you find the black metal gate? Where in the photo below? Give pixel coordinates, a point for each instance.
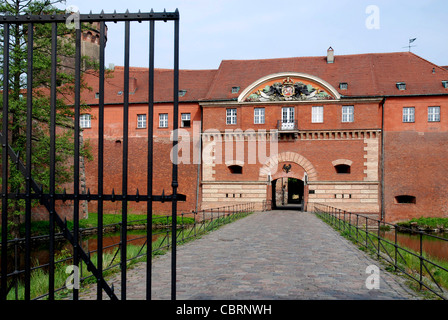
(33, 191)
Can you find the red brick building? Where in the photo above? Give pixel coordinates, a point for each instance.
(365, 133)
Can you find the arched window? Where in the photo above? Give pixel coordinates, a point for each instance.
(342, 168)
(342, 165)
(405, 199)
(234, 169)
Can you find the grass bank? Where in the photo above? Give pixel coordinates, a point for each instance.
(39, 228)
(425, 273)
(426, 223)
(111, 263)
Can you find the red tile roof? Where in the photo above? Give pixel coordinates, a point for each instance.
(195, 82)
(366, 75)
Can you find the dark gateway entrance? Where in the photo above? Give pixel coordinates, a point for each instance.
(287, 193)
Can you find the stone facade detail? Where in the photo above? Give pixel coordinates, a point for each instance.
(271, 166)
(218, 195)
(350, 196)
(371, 159)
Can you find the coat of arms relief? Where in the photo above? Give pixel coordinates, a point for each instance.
(288, 90)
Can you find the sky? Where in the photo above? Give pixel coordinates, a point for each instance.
(216, 30)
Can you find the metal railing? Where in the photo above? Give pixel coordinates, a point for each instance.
(189, 226)
(288, 126)
(371, 234)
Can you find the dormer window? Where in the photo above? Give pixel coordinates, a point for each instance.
(401, 86)
(445, 83)
(235, 89)
(343, 85)
(182, 93)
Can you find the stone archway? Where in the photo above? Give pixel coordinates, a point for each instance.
(273, 171)
(272, 165)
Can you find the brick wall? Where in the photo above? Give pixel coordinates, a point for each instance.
(137, 174)
(415, 159)
(416, 165)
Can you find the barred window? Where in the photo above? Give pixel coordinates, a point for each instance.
(348, 113)
(433, 114)
(408, 114)
(259, 115)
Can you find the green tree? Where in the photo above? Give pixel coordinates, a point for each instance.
(16, 85)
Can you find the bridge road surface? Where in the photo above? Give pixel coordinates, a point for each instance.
(275, 255)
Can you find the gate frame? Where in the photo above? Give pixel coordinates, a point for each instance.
(33, 191)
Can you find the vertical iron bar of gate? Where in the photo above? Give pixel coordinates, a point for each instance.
(76, 155)
(4, 281)
(100, 160)
(54, 43)
(124, 203)
(29, 126)
(150, 124)
(175, 157)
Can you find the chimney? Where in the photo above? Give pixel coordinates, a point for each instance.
(132, 85)
(330, 55)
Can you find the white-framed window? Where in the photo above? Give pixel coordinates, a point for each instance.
(348, 113)
(259, 115)
(317, 114)
(163, 120)
(287, 118)
(288, 114)
(85, 121)
(185, 120)
(231, 116)
(408, 114)
(433, 114)
(141, 121)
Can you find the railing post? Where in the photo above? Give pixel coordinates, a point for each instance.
(349, 224)
(396, 250)
(16, 271)
(421, 259)
(367, 233)
(379, 239)
(339, 218)
(357, 228)
(183, 226)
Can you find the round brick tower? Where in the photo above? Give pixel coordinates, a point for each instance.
(90, 44)
(90, 50)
